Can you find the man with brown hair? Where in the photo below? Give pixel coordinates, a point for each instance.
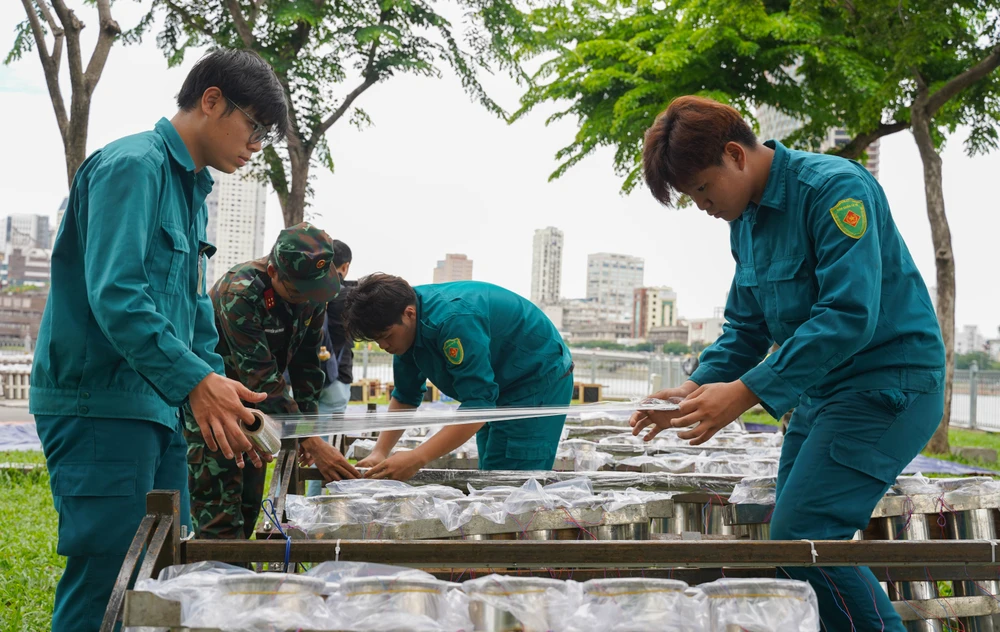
(822, 271)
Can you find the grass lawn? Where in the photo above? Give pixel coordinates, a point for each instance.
(30, 568)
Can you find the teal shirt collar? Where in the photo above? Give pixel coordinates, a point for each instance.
(180, 154)
(774, 191)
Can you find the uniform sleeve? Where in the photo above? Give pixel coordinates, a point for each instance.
(465, 343)
(745, 337)
(305, 368)
(409, 384)
(843, 225)
(241, 327)
(122, 197)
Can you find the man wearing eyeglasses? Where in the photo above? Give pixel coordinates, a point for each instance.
(270, 314)
(128, 337)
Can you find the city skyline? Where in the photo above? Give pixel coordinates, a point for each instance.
(454, 267)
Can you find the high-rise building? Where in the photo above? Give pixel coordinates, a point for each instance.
(237, 207)
(25, 230)
(612, 280)
(453, 268)
(969, 340)
(778, 125)
(653, 307)
(546, 266)
(59, 217)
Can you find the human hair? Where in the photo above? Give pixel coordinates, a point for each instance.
(245, 79)
(687, 138)
(376, 304)
(341, 253)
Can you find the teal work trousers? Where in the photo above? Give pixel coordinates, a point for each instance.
(839, 457)
(100, 471)
(526, 444)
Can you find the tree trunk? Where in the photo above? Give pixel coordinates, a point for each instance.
(299, 156)
(943, 259)
(75, 141)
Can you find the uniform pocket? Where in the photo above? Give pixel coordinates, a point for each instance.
(165, 270)
(90, 494)
(865, 458)
(794, 290)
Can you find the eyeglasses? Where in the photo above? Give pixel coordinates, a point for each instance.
(263, 134)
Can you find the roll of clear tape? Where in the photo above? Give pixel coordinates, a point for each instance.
(264, 432)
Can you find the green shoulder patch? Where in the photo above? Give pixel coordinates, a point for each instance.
(850, 217)
(453, 351)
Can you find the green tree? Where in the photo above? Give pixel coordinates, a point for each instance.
(678, 348)
(54, 18)
(875, 68)
(327, 54)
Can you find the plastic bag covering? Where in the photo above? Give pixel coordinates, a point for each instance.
(456, 513)
(972, 486)
(916, 484)
(255, 601)
(573, 489)
(397, 507)
(762, 605)
(366, 486)
(613, 500)
(586, 457)
(626, 438)
(676, 464)
(635, 604)
(736, 464)
(364, 444)
(500, 602)
(533, 497)
(754, 490)
(188, 583)
(399, 602)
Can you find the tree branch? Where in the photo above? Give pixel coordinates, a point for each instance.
(105, 40)
(50, 64)
(990, 63)
(369, 81)
(859, 143)
(189, 19)
(72, 25)
(242, 28)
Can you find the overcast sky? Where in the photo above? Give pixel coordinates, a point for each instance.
(438, 174)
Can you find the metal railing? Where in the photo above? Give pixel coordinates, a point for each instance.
(975, 399)
(622, 374)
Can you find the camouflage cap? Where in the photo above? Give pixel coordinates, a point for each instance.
(303, 258)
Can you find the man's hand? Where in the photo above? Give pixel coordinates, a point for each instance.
(372, 459)
(401, 466)
(327, 459)
(713, 407)
(216, 406)
(660, 419)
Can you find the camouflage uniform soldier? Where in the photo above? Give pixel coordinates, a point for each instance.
(269, 314)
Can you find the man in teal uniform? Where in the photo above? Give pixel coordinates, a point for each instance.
(128, 336)
(477, 343)
(822, 271)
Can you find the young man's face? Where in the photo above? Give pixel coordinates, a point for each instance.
(283, 289)
(398, 338)
(231, 138)
(723, 191)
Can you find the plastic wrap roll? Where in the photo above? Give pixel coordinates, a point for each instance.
(264, 432)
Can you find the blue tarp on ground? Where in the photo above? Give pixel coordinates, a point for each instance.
(928, 465)
(19, 436)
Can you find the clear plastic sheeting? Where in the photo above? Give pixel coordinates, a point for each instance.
(454, 514)
(676, 464)
(585, 454)
(635, 604)
(310, 425)
(500, 602)
(736, 464)
(359, 444)
(762, 605)
(400, 603)
(650, 481)
(357, 597)
(613, 500)
(919, 484)
(755, 490)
